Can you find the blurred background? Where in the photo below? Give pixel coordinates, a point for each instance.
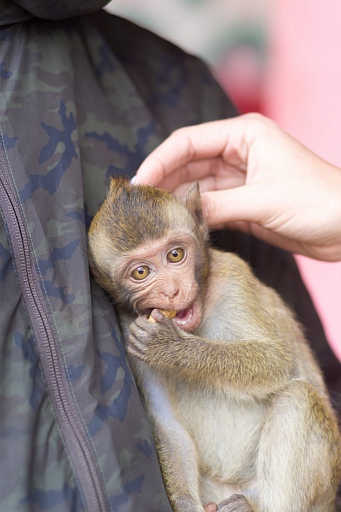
(282, 59)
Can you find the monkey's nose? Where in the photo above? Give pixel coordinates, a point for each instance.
(171, 292)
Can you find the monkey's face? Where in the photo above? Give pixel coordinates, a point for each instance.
(162, 275)
(149, 251)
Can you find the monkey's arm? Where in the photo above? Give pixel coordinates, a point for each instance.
(248, 367)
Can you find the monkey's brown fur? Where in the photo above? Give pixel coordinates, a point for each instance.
(240, 412)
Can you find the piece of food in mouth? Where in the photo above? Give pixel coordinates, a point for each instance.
(168, 313)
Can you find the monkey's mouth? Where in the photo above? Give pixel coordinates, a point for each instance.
(184, 317)
(187, 319)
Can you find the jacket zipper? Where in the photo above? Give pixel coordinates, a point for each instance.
(71, 426)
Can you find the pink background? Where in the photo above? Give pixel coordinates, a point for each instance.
(303, 93)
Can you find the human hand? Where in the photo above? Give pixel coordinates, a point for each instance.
(255, 177)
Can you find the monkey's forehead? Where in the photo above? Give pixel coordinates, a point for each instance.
(139, 225)
(148, 246)
(170, 239)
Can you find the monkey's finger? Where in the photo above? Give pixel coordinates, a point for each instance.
(141, 355)
(141, 323)
(136, 346)
(135, 333)
(134, 336)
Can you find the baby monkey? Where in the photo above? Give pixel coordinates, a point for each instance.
(240, 412)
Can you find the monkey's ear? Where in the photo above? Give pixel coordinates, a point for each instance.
(117, 183)
(193, 203)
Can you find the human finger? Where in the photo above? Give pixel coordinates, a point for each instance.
(232, 205)
(201, 142)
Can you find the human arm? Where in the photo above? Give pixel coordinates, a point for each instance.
(255, 177)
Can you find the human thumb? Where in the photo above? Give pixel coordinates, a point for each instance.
(232, 205)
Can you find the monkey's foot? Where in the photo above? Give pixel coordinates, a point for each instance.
(235, 503)
(210, 507)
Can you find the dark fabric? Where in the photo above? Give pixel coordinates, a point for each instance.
(81, 100)
(21, 10)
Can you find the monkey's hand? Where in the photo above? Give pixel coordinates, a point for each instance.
(148, 341)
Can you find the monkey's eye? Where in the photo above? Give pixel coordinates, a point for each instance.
(140, 272)
(175, 255)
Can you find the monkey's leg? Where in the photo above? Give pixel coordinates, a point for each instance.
(299, 455)
(178, 460)
(175, 447)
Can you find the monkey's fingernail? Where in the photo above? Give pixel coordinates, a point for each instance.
(133, 180)
(157, 315)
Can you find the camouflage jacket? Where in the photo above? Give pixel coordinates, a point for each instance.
(83, 95)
